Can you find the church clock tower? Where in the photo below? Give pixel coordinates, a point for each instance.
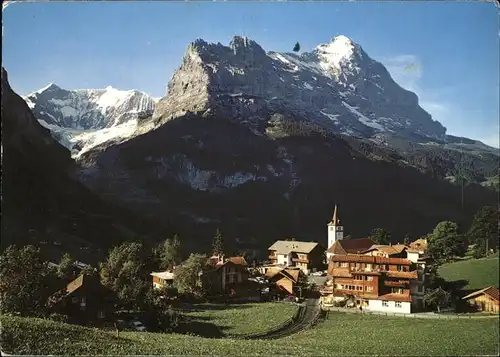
(335, 230)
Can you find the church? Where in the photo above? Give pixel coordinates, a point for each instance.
(338, 245)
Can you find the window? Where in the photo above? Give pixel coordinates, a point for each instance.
(397, 291)
(400, 268)
(344, 265)
(385, 303)
(375, 266)
(74, 299)
(369, 288)
(398, 304)
(420, 288)
(369, 278)
(358, 277)
(359, 288)
(101, 314)
(368, 266)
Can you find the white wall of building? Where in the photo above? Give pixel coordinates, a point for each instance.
(335, 233)
(285, 259)
(377, 305)
(412, 256)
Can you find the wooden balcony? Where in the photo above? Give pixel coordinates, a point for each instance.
(300, 260)
(396, 282)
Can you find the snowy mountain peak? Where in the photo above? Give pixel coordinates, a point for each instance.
(48, 88)
(340, 54)
(83, 118)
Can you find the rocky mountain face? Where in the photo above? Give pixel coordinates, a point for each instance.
(41, 204)
(262, 144)
(83, 118)
(337, 86)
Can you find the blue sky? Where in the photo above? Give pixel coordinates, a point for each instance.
(132, 45)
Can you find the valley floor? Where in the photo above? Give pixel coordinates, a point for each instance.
(341, 334)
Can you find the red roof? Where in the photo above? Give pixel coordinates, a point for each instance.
(351, 246)
(359, 258)
(395, 297)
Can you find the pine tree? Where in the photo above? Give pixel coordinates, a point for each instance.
(296, 48)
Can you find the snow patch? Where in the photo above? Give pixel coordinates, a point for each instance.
(332, 117)
(308, 86)
(363, 119)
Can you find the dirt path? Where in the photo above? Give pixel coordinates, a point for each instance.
(307, 316)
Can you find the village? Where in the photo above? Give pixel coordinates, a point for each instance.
(346, 275)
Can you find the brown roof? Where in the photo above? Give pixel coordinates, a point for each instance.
(214, 262)
(351, 246)
(388, 249)
(490, 291)
(75, 284)
(291, 274)
(359, 258)
(238, 261)
(395, 297)
(72, 286)
(399, 247)
(271, 272)
(336, 248)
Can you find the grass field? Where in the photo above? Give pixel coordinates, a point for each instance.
(239, 319)
(340, 335)
(479, 273)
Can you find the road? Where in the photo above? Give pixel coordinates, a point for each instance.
(309, 315)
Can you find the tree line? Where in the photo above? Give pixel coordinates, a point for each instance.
(28, 281)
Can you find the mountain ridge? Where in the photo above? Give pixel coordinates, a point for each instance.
(83, 118)
(305, 84)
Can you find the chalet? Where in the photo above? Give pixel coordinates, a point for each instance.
(307, 256)
(485, 299)
(162, 279)
(417, 249)
(84, 299)
(375, 283)
(225, 275)
(285, 279)
(338, 245)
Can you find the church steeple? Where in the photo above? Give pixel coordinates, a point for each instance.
(335, 230)
(335, 219)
